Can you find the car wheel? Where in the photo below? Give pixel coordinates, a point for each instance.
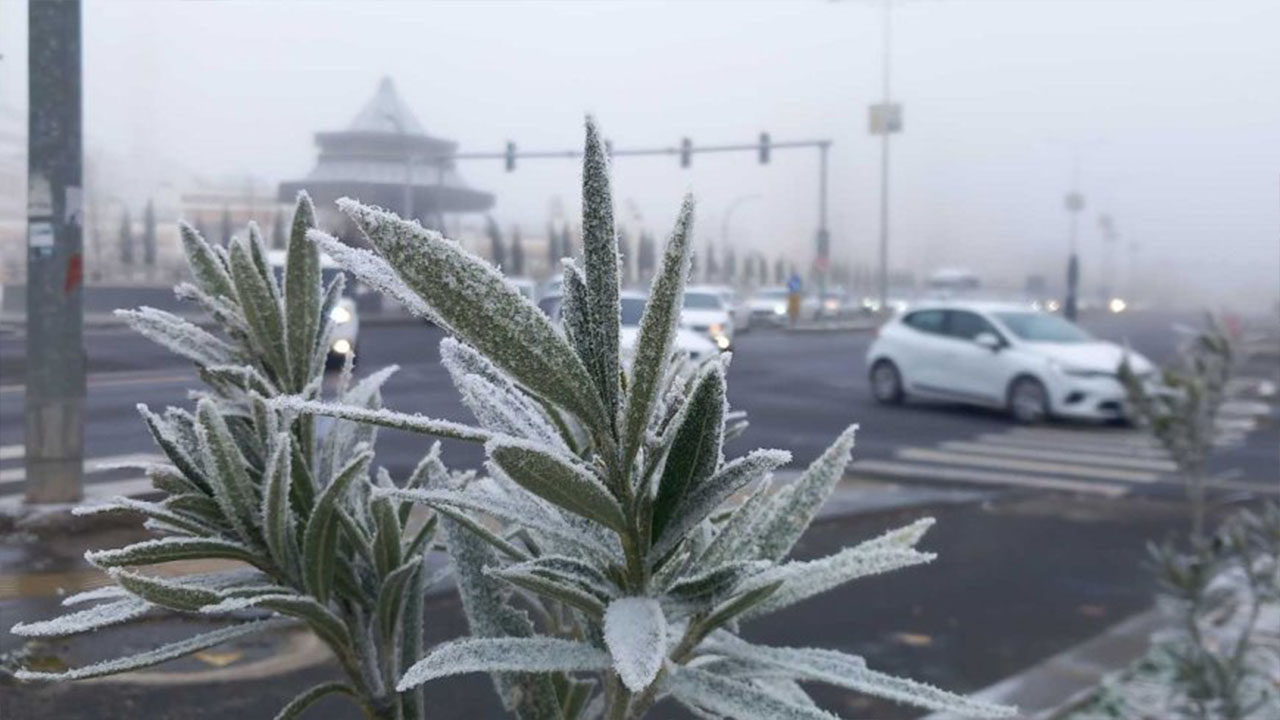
(886, 382)
(1028, 401)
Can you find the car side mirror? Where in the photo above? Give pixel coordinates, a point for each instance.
(988, 341)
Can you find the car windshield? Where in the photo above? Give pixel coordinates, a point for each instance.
(632, 310)
(702, 301)
(1039, 327)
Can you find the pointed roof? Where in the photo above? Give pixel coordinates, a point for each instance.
(386, 113)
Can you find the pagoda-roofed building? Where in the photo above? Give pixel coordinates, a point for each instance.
(386, 158)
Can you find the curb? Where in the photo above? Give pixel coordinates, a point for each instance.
(1054, 687)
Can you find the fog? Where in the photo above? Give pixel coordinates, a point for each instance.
(1168, 110)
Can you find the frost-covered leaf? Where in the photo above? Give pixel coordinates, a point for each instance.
(302, 288)
(789, 519)
(167, 549)
(559, 479)
(735, 698)
(232, 487)
(179, 336)
(374, 272)
(533, 655)
(277, 515)
(715, 581)
(207, 267)
(180, 450)
(531, 696)
(695, 452)
(804, 579)
(382, 417)
(921, 694)
(157, 656)
(635, 631)
(319, 618)
(149, 510)
(498, 405)
(261, 305)
(320, 537)
(299, 704)
(91, 618)
(164, 592)
(657, 333)
(735, 537)
(553, 588)
(709, 495)
(600, 256)
(473, 300)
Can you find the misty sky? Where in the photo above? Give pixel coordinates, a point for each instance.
(1172, 109)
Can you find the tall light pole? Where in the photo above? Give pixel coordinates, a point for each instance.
(885, 120)
(54, 404)
(1074, 204)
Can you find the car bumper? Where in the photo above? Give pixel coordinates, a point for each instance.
(1090, 399)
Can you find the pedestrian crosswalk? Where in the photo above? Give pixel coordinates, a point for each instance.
(1094, 460)
(105, 476)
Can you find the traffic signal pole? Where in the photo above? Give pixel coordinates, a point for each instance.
(55, 370)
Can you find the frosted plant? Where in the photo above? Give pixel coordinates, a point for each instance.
(1181, 410)
(613, 552)
(248, 481)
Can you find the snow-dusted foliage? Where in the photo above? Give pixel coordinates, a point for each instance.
(610, 556)
(248, 479)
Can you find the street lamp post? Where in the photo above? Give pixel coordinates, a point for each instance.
(886, 119)
(1074, 203)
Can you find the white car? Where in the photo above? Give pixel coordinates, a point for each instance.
(738, 309)
(345, 338)
(1033, 364)
(695, 346)
(705, 312)
(768, 305)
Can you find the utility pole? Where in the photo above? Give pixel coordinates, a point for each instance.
(55, 375)
(886, 119)
(1074, 203)
(824, 236)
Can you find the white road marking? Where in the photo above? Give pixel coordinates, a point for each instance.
(1122, 438)
(890, 468)
(9, 452)
(1067, 456)
(999, 463)
(16, 475)
(1074, 446)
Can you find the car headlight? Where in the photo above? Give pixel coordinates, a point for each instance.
(342, 347)
(340, 315)
(831, 304)
(716, 329)
(780, 309)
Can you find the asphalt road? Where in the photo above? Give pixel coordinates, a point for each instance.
(799, 390)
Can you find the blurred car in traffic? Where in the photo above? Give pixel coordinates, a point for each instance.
(344, 340)
(1033, 364)
(695, 346)
(706, 313)
(738, 308)
(768, 305)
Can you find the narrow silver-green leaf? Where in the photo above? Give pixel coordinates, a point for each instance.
(474, 301)
(157, 656)
(790, 518)
(600, 254)
(532, 655)
(657, 334)
(728, 697)
(261, 308)
(321, 535)
(559, 479)
(166, 593)
(207, 268)
(232, 487)
(695, 452)
(168, 549)
(302, 288)
(277, 515)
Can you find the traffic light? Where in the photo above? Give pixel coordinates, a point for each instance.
(686, 152)
(511, 156)
(764, 148)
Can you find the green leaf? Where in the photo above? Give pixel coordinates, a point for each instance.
(391, 595)
(474, 302)
(386, 536)
(302, 287)
(309, 697)
(383, 418)
(207, 269)
(165, 435)
(734, 698)
(277, 515)
(796, 510)
(600, 254)
(157, 656)
(328, 626)
(702, 500)
(533, 655)
(553, 588)
(320, 539)
(165, 593)
(179, 336)
(737, 605)
(261, 307)
(657, 334)
(168, 549)
(559, 479)
(232, 487)
(696, 450)
(192, 524)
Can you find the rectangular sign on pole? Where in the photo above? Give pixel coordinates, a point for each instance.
(885, 118)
